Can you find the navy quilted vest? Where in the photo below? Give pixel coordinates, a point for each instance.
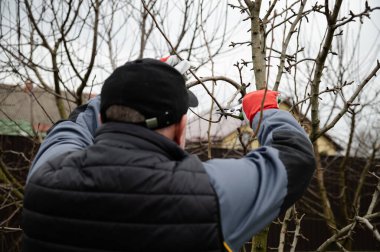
(133, 190)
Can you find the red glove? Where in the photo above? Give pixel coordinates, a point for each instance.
(252, 103)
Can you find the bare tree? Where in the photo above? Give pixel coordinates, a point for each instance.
(68, 48)
(344, 96)
(43, 44)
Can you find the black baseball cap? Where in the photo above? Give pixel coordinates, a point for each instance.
(151, 87)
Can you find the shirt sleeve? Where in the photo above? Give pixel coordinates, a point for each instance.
(253, 190)
(76, 133)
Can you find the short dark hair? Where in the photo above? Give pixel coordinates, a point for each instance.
(120, 113)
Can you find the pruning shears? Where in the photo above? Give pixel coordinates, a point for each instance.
(235, 112)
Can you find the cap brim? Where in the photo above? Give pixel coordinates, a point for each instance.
(193, 100)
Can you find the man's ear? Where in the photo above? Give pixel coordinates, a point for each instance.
(180, 132)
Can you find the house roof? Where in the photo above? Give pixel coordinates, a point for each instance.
(15, 128)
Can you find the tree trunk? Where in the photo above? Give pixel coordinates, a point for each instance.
(327, 212)
(259, 241)
(258, 45)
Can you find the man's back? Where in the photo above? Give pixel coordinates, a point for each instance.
(133, 190)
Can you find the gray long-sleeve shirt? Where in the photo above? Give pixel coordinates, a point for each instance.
(252, 190)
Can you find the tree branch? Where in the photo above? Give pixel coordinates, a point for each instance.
(285, 44)
(347, 104)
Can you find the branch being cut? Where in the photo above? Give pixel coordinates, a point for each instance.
(218, 78)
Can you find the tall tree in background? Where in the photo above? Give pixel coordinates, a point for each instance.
(289, 21)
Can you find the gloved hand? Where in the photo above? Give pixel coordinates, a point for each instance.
(252, 103)
(181, 65)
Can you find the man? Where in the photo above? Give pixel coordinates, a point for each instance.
(130, 186)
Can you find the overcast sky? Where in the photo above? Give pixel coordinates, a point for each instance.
(311, 36)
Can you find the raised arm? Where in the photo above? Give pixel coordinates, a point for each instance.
(76, 133)
(253, 190)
